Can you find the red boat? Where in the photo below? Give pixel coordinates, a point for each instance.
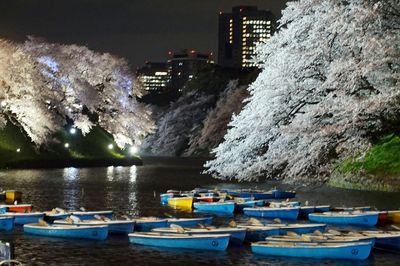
(22, 208)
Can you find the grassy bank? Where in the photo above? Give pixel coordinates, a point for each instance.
(65, 149)
(379, 169)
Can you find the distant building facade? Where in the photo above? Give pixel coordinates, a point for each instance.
(239, 32)
(154, 76)
(184, 65)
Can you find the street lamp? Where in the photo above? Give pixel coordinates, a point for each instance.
(110, 146)
(18, 150)
(72, 130)
(133, 150)
(66, 145)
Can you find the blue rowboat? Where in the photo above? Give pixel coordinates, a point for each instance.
(323, 238)
(51, 216)
(3, 209)
(164, 198)
(99, 232)
(145, 224)
(284, 213)
(218, 207)
(281, 194)
(181, 241)
(350, 251)
(364, 218)
(190, 221)
(298, 228)
(237, 235)
(24, 218)
(257, 195)
(385, 239)
(258, 232)
(114, 226)
(89, 215)
(6, 223)
(322, 208)
(306, 210)
(350, 209)
(280, 204)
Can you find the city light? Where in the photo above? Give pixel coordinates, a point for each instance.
(110, 146)
(133, 150)
(18, 150)
(72, 130)
(66, 145)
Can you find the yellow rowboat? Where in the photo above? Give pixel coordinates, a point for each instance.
(394, 217)
(13, 195)
(181, 202)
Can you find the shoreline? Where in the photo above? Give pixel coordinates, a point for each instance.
(63, 163)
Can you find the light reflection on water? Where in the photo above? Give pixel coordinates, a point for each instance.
(130, 190)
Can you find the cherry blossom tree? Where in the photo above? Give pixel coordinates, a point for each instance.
(230, 102)
(329, 87)
(43, 84)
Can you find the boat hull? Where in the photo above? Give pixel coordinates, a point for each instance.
(114, 226)
(181, 202)
(259, 233)
(203, 242)
(362, 219)
(147, 225)
(91, 214)
(24, 218)
(306, 229)
(22, 208)
(282, 213)
(6, 223)
(353, 251)
(190, 221)
(86, 232)
(225, 207)
(280, 194)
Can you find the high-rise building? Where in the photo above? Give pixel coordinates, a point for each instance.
(153, 76)
(239, 33)
(184, 65)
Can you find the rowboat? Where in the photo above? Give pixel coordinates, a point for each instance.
(218, 207)
(55, 214)
(145, 224)
(298, 228)
(24, 218)
(393, 217)
(181, 241)
(322, 208)
(13, 195)
(181, 202)
(282, 194)
(350, 209)
(257, 195)
(321, 239)
(164, 198)
(114, 226)
(98, 232)
(87, 215)
(280, 204)
(356, 218)
(190, 221)
(306, 210)
(268, 212)
(17, 207)
(385, 239)
(350, 251)
(206, 199)
(237, 235)
(258, 232)
(3, 209)
(6, 223)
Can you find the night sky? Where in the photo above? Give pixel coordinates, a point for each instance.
(138, 30)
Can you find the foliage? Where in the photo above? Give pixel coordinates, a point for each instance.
(176, 124)
(42, 85)
(329, 85)
(230, 102)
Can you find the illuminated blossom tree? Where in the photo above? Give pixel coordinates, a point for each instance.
(42, 84)
(329, 86)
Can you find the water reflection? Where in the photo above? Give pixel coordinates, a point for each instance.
(129, 190)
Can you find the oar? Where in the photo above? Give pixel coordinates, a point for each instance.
(42, 223)
(395, 227)
(254, 221)
(178, 228)
(168, 215)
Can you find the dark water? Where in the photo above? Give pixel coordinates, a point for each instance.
(134, 191)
